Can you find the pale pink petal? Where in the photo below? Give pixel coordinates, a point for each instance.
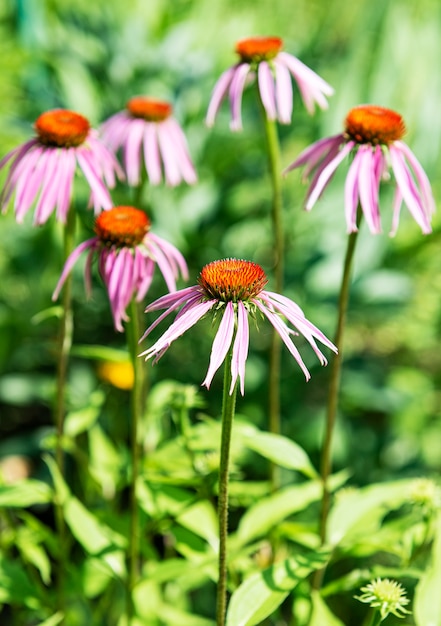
(70, 262)
(101, 196)
(420, 175)
(240, 348)
(368, 189)
(219, 92)
(221, 343)
(236, 91)
(325, 176)
(352, 195)
(181, 150)
(312, 87)
(284, 95)
(317, 151)
(267, 90)
(168, 154)
(132, 151)
(152, 156)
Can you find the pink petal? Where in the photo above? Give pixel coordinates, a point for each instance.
(219, 92)
(266, 90)
(221, 343)
(240, 348)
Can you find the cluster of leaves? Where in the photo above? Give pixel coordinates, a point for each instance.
(91, 57)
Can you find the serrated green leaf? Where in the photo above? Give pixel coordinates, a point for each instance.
(427, 604)
(262, 593)
(24, 493)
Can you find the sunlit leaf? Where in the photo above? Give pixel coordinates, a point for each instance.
(427, 604)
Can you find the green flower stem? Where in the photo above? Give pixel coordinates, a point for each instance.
(65, 335)
(333, 392)
(275, 168)
(138, 399)
(374, 618)
(228, 408)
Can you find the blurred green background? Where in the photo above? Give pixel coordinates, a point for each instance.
(92, 57)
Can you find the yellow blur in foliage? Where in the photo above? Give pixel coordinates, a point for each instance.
(119, 374)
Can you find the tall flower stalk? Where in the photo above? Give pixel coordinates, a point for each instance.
(138, 406)
(228, 410)
(232, 290)
(274, 162)
(373, 138)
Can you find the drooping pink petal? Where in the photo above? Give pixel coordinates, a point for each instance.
(218, 94)
(174, 256)
(267, 90)
(179, 327)
(167, 149)
(152, 157)
(284, 95)
(325, 176)
(409, 190)
(351, 195)
(368, 188)
(236, 91)
(70, 262)
(101, 196)
(132, 151)
(312, 87)
(65, 182)
(421, 176)
(240, 349)
(221, 343)
(283, 332)
(183, 159)
(317, 151)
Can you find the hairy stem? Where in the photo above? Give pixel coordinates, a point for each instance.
(274, 162)
(333, 392)
(138, 399)
(228, 408)
(65, 334)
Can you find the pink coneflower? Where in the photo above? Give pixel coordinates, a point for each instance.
(274, 68)
(372, 136)
(149, 136)
(45, 167)
(234, 289)
(127, 254)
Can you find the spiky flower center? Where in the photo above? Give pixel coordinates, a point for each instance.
(231, 280)
(122, 226)
(149, 109)
(375, 125)
(62, 128)
(257, 49)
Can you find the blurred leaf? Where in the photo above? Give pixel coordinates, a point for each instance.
(260, 594)
(80, 421)
(427, 603)
(264, 516)
(15, 586)
(24, 493)
(33, 553)
(100, 353)
(201, 518)
(360, 511)
(281, 451)
(321, 614)
(56, 619)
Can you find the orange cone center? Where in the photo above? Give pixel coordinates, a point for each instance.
(256, 49)
(62, 128)
(122, 226)
(149, 109)
(232, 280)
(374, 125)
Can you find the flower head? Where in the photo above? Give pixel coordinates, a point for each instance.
(387, 596)
(42, 169)
(127, 254)
(264, 56)
(150, 137)
(373, 137)
(233, 289)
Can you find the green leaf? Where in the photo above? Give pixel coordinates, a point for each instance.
(57, 618)
(15, 586)
(270, 511)
(91, 533)
(101, 353)
(25, 493)
(201, 518)
(427, 603)
(78, 422)
(32, 552)
(262, 593)
(358, 512)
(281, 451)
(321, 615)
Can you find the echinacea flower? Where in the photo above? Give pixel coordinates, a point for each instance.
(386, 595)
(127, 255)
(150, 137)
(44, 167)
(372, 137)
(233, 289)
(264, 56)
